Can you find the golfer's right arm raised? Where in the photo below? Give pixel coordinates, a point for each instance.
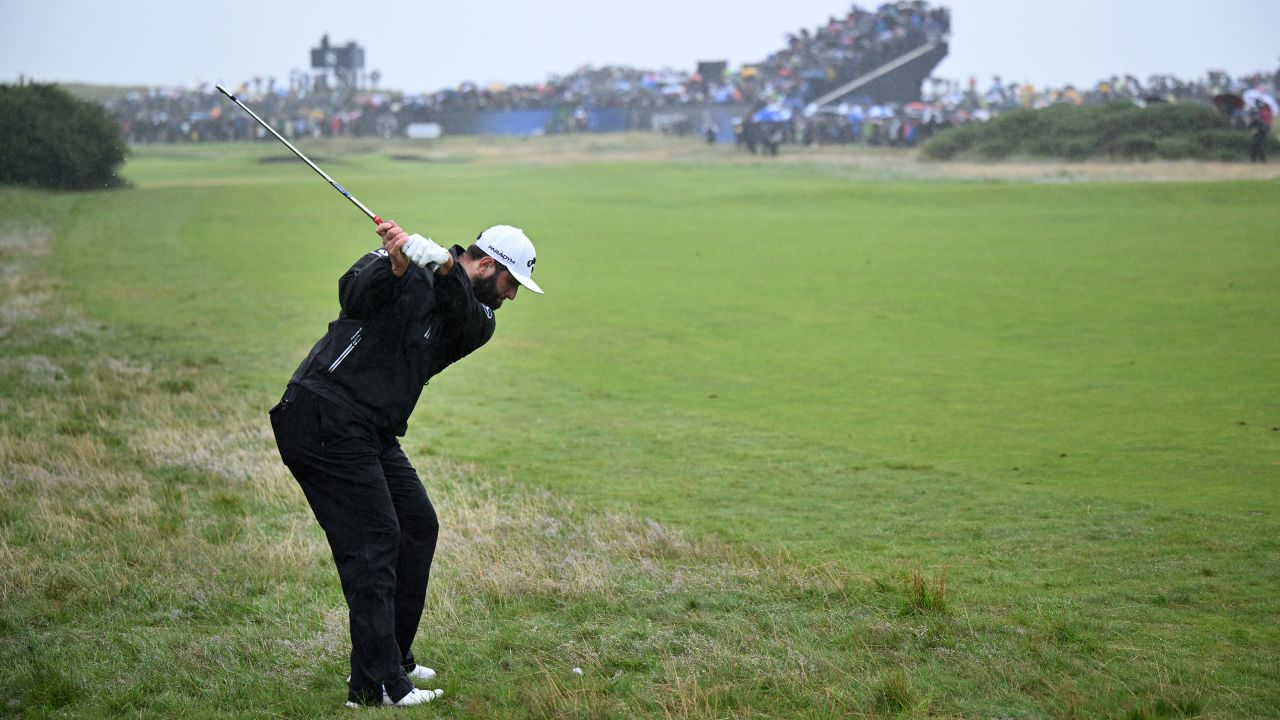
(369, 286)
(393, 239)
(377, 279)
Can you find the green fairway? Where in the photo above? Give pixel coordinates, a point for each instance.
(955, 449)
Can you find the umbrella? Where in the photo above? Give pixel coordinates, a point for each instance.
(772, 114)
(1228, 102)
(1251, 97)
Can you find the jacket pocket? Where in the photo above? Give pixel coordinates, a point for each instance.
(344, 340)
(341, 434)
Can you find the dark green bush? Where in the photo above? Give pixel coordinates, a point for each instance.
(947, 145)
(1115, 130)
(996, 148)
(1075, 149)
(51, 139)
(1134, 146)
(1215, 144)
(1178, 147)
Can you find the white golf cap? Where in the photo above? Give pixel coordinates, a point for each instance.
(509, 246)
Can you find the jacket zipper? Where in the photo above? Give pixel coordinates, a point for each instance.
(355, 340)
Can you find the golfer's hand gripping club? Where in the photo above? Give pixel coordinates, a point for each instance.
(403, 248)
(425, 252)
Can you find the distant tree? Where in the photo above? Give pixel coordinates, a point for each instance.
(50, 139)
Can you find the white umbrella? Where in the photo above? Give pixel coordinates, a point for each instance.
(1251, 98)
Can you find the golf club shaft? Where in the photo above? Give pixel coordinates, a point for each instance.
(377, 220)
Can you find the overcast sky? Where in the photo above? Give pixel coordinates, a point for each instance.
(426, 46)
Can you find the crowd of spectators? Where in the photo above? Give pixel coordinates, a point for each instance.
(947, 103)
(845, 48)
(810, 60)
(999, 95)
(202, 114)
(810, 63)
(837, 50)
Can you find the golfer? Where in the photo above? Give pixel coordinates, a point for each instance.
(408, 311)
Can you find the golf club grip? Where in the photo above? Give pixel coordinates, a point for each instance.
(431, 267)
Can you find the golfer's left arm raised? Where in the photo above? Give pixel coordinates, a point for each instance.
(468, 318)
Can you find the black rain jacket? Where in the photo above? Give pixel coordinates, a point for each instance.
(392, 335)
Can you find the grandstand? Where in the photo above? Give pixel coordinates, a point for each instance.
(857, 77)
(881, 56)
(871, 57)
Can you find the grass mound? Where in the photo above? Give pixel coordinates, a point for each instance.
(1113, 131)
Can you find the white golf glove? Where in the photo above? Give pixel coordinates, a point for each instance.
(424, 251)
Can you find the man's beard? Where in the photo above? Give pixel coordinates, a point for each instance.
(486, 291)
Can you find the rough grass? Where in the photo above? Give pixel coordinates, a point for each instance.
(160, 562)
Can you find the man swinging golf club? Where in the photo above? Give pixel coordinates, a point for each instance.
(408, 311)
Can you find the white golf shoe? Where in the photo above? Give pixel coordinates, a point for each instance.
(420, 672)
(415, 697)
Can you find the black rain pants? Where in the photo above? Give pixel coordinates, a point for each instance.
(381, 528)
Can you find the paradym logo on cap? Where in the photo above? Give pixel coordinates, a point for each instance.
(511, 247)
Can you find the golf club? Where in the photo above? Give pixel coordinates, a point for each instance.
(377, 220)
